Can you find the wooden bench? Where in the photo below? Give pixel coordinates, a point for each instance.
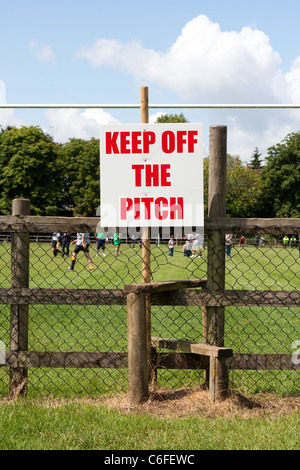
(219, 361)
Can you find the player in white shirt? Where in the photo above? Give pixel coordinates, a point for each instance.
(82, 244)
(197, 246)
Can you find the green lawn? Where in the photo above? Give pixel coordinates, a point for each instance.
(65, 423)
(38, 425)
(90, 328)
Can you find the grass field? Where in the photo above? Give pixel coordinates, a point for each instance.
(90, 328)
(87, 425)
(59, 413)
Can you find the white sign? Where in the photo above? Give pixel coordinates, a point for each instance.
(151, 175)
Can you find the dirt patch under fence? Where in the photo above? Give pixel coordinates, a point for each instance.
(186, 402)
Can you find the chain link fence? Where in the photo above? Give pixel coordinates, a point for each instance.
(264, 330)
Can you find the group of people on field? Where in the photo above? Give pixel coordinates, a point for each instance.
(259, 242)
(192, 247)
(61, 245)
(292, 241)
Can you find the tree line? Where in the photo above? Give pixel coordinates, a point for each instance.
(64, 179)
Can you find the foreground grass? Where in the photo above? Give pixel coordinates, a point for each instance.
(30, 425)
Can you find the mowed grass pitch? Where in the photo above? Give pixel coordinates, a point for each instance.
(90, 328)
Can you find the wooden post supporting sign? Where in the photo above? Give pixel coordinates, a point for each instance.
(146, 250)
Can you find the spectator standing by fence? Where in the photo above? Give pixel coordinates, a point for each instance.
(242, 242)
(117, 243)
(65, 244)
(187, 247)
(100, 243)
(293, 241)
(228, 243)
(286, 241)
(262, 241)
(171, 245)
(133, 240)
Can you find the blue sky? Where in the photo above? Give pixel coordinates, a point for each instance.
(69, 51)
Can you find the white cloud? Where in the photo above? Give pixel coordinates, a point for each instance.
(204, 63)
(293, 81)
(208, 65)
(153, 117)
(68, 123)
(42, 52)
(8, 118)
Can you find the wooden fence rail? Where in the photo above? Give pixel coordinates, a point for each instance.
(195, 292)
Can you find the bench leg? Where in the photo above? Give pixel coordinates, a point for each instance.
(218, 377)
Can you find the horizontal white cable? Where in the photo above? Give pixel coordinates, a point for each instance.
(135, 106)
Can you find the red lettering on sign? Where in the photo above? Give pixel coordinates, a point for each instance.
(125, 206)
(163, 207)
(154, 175)
(137, 208)
(181, 139)
(168, 142)
(148, 139)
(138, 174)
(159, 203)
(165, 174)
(176, 208)
(136, 142)
(171, 141)
(192, 141)
(125, 142)
(147, 206)
(111, 142)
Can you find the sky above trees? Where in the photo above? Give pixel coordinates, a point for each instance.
(185, 52)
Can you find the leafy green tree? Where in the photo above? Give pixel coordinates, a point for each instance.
(255, 162)
(281, 178)
(81, 176)
(243, 189)
(172, 118)
(29, 168)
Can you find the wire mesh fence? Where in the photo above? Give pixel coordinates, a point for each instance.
(260, 329)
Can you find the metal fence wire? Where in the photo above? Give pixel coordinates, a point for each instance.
(253, 262)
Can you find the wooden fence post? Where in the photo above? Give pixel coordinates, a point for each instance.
(137, 349)
(146, 247)
(213, 317)
(19, 313)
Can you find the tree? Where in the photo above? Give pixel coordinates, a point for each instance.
(243, 189)
(172, 118)
(243, 195)
(81, 176)
(281, 178)
(29, 168)
(255, 162)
